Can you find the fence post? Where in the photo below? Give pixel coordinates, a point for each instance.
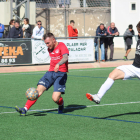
(11, 8)
(98, 49)
(84, 5)
(65, 14)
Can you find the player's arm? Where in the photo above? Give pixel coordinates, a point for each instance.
(61, 62)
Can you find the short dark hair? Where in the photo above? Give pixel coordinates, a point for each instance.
(72, 21)
(48, 35)
(16, 21)
(130, 26)
(11, 21)
(138, 26)
(39, 21)
(101, 24)
(27, 20)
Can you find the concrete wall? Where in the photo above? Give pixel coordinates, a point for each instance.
(122, 15)
(6, 12)
(56, 20)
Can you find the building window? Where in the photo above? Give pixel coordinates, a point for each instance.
(133, 6)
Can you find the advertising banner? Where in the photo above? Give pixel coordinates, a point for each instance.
(40, 53)
(15, 52)
(80, 50)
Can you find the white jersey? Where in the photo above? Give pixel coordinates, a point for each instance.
(38, 32)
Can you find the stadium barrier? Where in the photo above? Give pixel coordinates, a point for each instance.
(34, 51)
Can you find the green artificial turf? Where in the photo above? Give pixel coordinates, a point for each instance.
(82, 119)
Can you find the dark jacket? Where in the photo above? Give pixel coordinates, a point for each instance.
(15, 33)
(7, 31)
(110, 31)
(128, 37)
(138, 37)
(101, 33)
(28, 32)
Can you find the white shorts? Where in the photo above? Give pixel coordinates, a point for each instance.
(130, 71)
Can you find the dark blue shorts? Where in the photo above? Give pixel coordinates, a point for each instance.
(57, 79)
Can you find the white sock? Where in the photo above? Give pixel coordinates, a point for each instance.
(105, 87)
(26, 109)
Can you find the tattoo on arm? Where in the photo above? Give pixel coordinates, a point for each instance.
(64, 59)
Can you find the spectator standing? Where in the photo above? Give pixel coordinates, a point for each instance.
(16, 31)
(1, 30)
(111, 31)
(128, 40)
(100, 31)
(38, 31)
(26, 28)
(72, 31)
(11, 24)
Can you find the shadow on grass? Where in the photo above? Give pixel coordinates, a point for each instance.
(130, 113)
(69, 108)
(73, 107)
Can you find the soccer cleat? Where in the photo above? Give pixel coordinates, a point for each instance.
(125, 58)
(93, 98)
(61, 108)
(22, 111)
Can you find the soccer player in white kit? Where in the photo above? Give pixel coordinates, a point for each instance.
(122, 72)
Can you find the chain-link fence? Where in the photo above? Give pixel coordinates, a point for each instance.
(71, 3)
(56, 15)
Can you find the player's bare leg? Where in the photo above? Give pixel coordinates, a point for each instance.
(29, 103)
(40, 89)
(126, 54)
(56, 96)
(114, 75)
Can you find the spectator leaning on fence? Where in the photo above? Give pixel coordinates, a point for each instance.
(100, 31)
(1, 30)
(128, 40)
(26, 28)
(72, 31)
(38, 31)
(16, 31)
(111, 31)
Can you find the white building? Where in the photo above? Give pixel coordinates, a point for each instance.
(123, 13)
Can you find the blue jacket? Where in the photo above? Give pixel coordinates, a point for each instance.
(100, 32)
(1, 30)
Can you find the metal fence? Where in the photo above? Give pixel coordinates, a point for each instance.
(72, 3)
(87, 14)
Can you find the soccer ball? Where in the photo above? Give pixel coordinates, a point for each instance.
(32, 94)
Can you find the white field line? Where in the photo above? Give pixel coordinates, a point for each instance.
(76, 107)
